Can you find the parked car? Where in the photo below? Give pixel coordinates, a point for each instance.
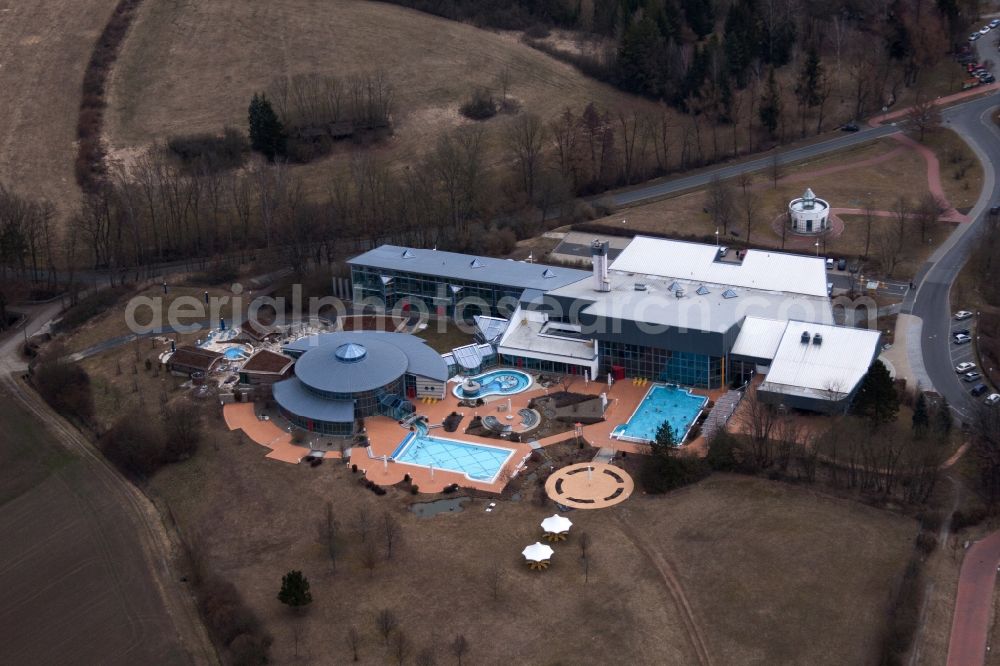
(971, 376)
(962, 339)
(994, 210)
(842, 265)
(974, 36)
(964, 367)
(992, 399)
(849, 127)
(972, 66)
(985, 30)
(978, 389)
(961, 331)
(971, 83)
(829, 263)
(994, 23)
(987, 78)
(723, 251)
(962, 315)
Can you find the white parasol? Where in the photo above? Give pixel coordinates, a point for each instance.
(537, 552)
(557, 524)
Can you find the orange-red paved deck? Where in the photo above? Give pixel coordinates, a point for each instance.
(385, 434)
(243, 416)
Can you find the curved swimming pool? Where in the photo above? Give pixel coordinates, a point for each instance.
(495, 382)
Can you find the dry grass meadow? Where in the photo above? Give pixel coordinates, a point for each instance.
(44, 47)
(193, 66)
(773, 573)
(901, 171)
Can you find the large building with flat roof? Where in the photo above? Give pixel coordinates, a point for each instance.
(664, 310)
(442, 281)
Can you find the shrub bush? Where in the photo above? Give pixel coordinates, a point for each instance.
(480, 106)
(66, 387)
(968, 518)
(89, 307)
(210, 152)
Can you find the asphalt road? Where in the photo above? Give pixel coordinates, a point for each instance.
(931, 299)
(664, 188)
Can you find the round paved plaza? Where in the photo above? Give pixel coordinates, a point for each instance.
(589, 486)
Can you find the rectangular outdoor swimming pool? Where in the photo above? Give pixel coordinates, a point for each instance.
(677, 406)
(479, 462)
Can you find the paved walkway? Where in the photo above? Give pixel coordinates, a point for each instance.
(243, 416)
(971, 623)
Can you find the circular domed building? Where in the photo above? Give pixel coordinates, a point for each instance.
(341, 378)
(809, 214)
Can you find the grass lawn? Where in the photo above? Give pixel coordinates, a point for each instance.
(444, 335)
(961, 172)
(113, 323)
(214, 56)
(764, 566)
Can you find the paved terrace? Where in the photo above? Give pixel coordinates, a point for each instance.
(385, 434)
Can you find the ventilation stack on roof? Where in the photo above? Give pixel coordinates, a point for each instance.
(599, 258)
(818, 339)
(805, 337)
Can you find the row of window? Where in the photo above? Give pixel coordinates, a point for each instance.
(688, 369)
(439, 296)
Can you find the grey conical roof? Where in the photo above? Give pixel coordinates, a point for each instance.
(808, 194)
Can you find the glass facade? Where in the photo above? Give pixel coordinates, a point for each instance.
(555, 367)
(688, 369)
(441, 296)
(489, 362)
(366, 403)
(334, 428)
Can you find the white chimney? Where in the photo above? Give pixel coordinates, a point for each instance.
(599, 258)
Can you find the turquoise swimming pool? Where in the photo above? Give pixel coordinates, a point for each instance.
(479, 462)
(678, 407)
(495, 382)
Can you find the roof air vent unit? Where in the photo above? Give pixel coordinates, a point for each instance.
(639, 286)
(817, 339)
(475, 263)
(680, 292)
(674, 286)
(729, 293)
(805, 337)
(407, 254)
(548, 273)
(703, 291)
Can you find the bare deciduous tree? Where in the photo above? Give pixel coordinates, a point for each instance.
(391, 532)
(327, 533)
(353, 639)
(459, 647)
(386, 623)
(719, 198)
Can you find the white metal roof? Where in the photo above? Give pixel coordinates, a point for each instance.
(760, 269)
(759, 337)
(713, 311)
(529, 335)
(832, 368)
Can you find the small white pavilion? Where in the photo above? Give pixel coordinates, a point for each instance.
(809, 214)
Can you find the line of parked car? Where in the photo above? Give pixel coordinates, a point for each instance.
(967, 369)
(977, 72)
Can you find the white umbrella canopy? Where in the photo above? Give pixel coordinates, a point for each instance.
(537, 552)
(557, 524)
